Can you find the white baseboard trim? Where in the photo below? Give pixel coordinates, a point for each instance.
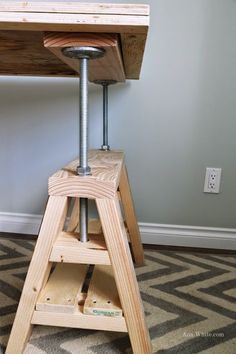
(188, 236)
(28, 224)
(156, 234)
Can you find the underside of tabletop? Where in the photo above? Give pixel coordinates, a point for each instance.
(24, 25)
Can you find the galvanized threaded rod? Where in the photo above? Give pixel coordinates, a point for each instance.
(83, 54)
(105, 145)
(105, 83)
(83, 168)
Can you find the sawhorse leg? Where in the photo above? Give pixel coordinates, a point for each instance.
(38, 273)
(123, 268)
(130, 217)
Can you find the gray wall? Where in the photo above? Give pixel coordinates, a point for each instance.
(178, 119)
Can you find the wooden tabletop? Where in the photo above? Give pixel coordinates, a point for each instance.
(27, 30)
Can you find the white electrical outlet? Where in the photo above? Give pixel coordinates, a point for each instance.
(212, 180)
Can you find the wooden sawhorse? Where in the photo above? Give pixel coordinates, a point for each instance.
(56, 297)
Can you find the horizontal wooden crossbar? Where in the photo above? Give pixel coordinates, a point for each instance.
(69, 249)
(79, 320)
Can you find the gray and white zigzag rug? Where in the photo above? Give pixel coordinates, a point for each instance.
(189, 300)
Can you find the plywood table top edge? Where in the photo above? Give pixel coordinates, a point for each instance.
(22, 27)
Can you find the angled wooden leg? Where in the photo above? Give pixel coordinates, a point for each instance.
(123, 268)
(130, 216)
(74, 218)
(39, 269)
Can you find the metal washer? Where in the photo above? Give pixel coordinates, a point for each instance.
(83, 52)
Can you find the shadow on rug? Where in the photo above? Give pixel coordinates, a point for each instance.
(189, 300)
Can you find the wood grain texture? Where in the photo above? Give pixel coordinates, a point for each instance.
(74, 7)
(74, 216)
(79, 320)
(32, 57)
(21, 17)
(66, 22)
(133, 46)
(69, 249)
(103, 183)
(130, 217)
(52, 224)
(94, 225)
(109, 67)
(117, 244)
(102, 298)
(60, 293)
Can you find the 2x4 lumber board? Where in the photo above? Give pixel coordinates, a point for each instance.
(130, 217)
(109, 67)
(103, 182)
(39, 268)
(102, 298)
(94, 225)
(79, 320)
(68, 249)
(127, 285)
(75, 7)
(133, 46)
(60, 292)
(74, 216)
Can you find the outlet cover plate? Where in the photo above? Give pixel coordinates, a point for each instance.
(212, 180)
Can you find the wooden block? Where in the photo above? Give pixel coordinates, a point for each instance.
(133, 46)
(94, 227)
(60, 292)
(74, 217)
(103, 183)
(102, 298)
(109, 67)
(69, 249)
(79, 320)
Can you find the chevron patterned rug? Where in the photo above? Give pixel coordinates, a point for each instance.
(189, 300)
